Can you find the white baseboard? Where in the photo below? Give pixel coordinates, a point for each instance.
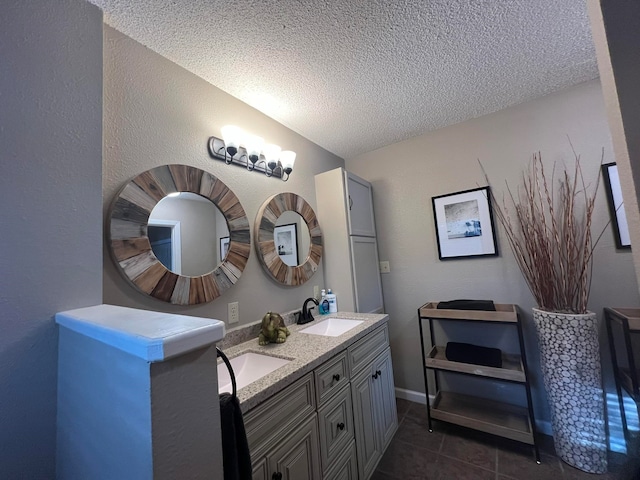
(543, 426)
(412, 396)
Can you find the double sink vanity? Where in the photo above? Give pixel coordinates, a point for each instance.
(322, 404)
(319, 406)
(137, 396)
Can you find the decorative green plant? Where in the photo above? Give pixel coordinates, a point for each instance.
(549, 232)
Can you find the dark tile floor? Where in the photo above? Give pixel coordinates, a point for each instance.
(451, 452)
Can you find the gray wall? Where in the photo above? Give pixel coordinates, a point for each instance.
(446, 161)
(50, 188)
(185, 429)
(157, 113)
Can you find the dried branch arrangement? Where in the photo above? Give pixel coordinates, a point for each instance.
(549, 231)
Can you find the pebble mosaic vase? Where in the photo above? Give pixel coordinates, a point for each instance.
(570, 361)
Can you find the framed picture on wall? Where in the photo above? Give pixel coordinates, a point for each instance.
(464, 224)
(224, 247)
(616, 205)
(286, 240)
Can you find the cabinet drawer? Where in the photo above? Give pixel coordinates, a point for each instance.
(331, 377)
(365, 350)
(345, 467)
(335, 420)
(279, 414)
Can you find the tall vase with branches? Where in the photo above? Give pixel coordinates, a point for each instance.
(548, 223)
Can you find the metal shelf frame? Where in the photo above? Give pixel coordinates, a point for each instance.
(514, 422)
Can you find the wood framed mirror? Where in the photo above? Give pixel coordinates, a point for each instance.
(274, 213)
(131, 249)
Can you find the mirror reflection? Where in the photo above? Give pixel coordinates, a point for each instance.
(291, 237)
(300, 246)
(188, 234)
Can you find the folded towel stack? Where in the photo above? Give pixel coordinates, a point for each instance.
(487, 305)
(469, 353)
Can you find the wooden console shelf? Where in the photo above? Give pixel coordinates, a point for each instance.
(511, 370)
(505, 312)
(491, 416)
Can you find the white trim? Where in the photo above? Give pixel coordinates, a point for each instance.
(176, 246)
(412, 396)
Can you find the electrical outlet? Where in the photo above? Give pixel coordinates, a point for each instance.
(384, 267)
(233, 314)
(316, 292)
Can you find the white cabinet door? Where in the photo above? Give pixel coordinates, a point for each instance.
(360, 205)
(366, 275)
(363, 397)
(384, 387)
(374, 411)
(297, 457)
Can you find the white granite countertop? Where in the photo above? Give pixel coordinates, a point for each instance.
(305, 351)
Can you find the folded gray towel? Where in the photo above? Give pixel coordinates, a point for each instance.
(469, 353)
(487, 305)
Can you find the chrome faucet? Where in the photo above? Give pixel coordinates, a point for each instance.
(306, 316)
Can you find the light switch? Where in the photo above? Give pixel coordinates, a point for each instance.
(385, 267)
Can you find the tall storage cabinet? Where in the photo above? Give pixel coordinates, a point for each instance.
(351, 267)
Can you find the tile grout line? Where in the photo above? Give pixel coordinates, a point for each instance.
(441, 443)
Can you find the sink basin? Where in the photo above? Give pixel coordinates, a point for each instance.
(332, 327)
(247, 368)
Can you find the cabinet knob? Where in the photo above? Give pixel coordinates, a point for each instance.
(341, 426)
(336, 377)
(375, 375)
(350, 202)
(378, 372)
(276, 476)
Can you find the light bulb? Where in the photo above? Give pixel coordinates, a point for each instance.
(287, 159)
(254, 145)
(272, 154)
(232, 137)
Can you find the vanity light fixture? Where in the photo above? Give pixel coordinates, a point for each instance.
(232, 137)
(252, 152)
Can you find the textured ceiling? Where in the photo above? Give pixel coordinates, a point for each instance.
(353, 76)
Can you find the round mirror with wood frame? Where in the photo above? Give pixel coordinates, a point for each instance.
(131, 249)
(264, 227)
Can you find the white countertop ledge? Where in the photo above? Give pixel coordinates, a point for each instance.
(152, 336)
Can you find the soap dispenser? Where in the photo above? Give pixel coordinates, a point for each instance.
(323, 308)
(333, 301)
